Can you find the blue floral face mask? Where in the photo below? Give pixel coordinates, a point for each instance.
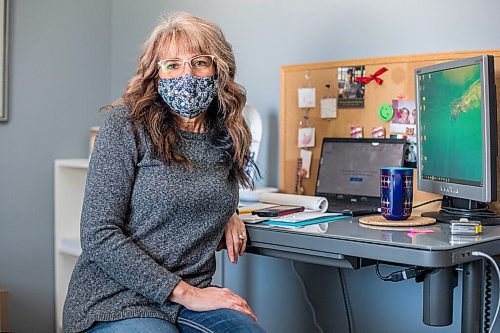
(188, 95)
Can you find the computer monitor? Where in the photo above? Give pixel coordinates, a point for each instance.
(457, 136)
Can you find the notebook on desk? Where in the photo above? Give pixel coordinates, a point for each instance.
(349, 172)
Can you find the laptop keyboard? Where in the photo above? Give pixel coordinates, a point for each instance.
(341, 205)
(353, 207)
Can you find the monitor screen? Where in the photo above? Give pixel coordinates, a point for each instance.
(451, 125)
(457, 129)
(352, 166)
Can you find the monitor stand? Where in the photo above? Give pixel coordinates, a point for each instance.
(456, 208)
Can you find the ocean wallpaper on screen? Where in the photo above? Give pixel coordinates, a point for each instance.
(450, 125)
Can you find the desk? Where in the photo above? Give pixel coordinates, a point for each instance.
(347, 244)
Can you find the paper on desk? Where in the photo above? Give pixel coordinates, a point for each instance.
(302, 216)
(296, 225)
(308, 201)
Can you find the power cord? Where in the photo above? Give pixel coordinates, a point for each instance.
(426, 203)
(470, 213)
(401, 275)
(493, 262)
(306, 296)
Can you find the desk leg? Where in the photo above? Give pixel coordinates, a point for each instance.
(438, 296)
(472, 292)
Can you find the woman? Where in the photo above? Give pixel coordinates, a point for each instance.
(405, 116)
(162, 191)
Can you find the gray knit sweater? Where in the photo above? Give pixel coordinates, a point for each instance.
(145, 225)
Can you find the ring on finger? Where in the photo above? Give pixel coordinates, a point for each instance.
(241, 237)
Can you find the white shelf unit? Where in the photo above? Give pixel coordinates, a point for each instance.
(69, 187)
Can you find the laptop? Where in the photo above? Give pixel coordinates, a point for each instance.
(349, 172)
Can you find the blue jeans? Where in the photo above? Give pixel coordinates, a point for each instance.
(134, 325)
(216, 321)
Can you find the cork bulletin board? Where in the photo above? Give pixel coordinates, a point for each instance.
(398, 82)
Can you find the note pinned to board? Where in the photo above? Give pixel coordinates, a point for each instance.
(328, 107)
(306, 137)
(307, 98)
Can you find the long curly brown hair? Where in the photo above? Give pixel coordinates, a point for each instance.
(224, 117)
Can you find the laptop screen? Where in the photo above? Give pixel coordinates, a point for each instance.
(352, 166)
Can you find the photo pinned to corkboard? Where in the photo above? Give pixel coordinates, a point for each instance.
(351, 92)
(404, 125)
(306, 137)
(306, 156)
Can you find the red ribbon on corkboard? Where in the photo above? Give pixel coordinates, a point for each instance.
(374, 76)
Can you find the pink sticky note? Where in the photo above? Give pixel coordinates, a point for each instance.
(413, 232)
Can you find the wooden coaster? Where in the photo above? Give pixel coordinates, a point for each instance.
(413, 221)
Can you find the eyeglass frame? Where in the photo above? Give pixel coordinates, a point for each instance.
(188, 61)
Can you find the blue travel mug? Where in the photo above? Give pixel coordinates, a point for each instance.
(396, 193)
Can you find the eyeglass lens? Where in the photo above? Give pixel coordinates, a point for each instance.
(200, 66)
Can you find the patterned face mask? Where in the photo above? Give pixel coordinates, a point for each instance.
(188, 95)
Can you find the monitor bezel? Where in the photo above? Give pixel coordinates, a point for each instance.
(487, 192)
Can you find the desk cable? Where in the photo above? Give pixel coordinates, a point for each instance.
(404, 274)
(426, 203)
(306, 296)
(493, 262)
(471, 213)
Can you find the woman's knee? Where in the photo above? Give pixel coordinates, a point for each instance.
(221, 320)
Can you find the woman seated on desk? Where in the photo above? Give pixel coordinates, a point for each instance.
(162, 191)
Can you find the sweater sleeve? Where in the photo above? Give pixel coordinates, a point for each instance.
(108, 191)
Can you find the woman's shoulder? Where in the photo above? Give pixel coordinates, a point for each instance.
(117, 115)
(117, 122)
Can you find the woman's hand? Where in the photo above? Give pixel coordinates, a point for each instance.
(235, 238)
(210, 298)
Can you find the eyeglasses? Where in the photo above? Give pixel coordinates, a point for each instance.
(201, 65)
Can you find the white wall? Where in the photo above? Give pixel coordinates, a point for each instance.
(59, 75)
